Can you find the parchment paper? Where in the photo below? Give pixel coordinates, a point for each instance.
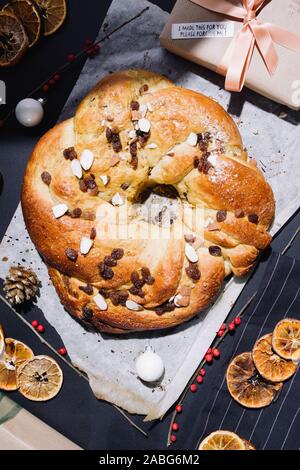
(109, 361)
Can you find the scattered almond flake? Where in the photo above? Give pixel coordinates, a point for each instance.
(104, 179)
(192, 139)
(208, 221)
(181, 300)
(151, 146)
(114, 160)
(104, 123)
(132, 134)
(59, 210)
(144, 125)
(172, 298)
(117, 200)
(85, 245)
(177, 299)
(131, 305)
(135, 115)
(212, 159)
(100, 302)
(143, 110)
(191, 253)
(86, 159)
(189, 238)
(76, 169)
(213, 227)
(149, 106)
(282, 115)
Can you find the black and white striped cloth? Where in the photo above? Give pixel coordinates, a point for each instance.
(278, 425)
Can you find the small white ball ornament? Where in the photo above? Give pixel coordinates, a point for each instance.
(149, 365)
(29, 112)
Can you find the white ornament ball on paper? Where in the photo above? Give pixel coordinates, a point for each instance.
(29, 112)
(149, 365)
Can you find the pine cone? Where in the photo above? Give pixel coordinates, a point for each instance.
(20, 284)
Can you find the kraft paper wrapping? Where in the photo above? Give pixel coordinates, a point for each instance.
(20, 430)
(283, 87)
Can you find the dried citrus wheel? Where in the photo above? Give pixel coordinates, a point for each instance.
(29, 15)
(269, 365)
(54, 13)
(222, 440)
(248, 445)
(286, 339)
(16, 353)
(13, 39)
(40, 378)
(245, 384)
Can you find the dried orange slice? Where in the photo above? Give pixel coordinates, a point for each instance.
(248, 445)
(222, 440)
(286, 339)
(53, 13)
(13, 39)
(247, 386)
(16, 353)
(40, 378)
(29, 15)
(269, 365)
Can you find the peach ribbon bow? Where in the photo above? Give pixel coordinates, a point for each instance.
(237, 58)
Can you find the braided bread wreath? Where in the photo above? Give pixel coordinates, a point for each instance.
(136, 129)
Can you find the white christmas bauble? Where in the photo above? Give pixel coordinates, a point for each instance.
(149, 365)
(29, 112)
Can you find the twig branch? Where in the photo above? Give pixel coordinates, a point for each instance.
(23, 320)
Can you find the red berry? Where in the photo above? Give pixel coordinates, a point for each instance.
(223, 326)
(178, 408)
(220, 333)
(199, 379)
(51, 82)
(216, 352)
(96, 48)
(56, 77)
(88, 42)
(208, 357)
(175, 427)
(237, 321)
(41, 328)
(231, 326)
(62, 351)
(202, 372)
(91, 52)
(193, 388)
(45, 88)
(173, 438)
(70, 57)
(35, 323)
(208, 351)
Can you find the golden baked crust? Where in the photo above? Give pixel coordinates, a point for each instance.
(217, 185)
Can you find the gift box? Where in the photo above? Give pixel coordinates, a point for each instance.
(254, 42)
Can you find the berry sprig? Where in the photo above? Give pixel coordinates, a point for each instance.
(198, 378)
